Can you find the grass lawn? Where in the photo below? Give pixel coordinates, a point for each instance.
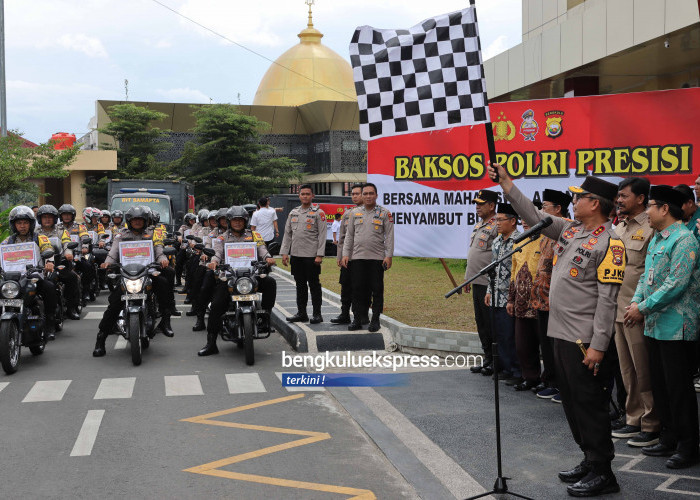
(414, 292)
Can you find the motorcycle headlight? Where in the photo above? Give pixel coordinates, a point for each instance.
(10, 289)
(244, 286)
(134, 286)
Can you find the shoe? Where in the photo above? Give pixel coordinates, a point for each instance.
(73, 314)
(512, 381)
(199, 325)
(364, 320)
(164, 326)
(316, 319)
(355, 325)
(697, 386)
(627, 431)
(343, 319)
(191, 312)
(50, 328)
(184, 291)
(92, 297)
(658, 450)
(187, 301)
(548, 393)
(178, 282)
(476, 369)
(100, 349)
(103, 286)
(487, 371)
(577, 473)
(298, 317)
(525, 385)
(619, 423)
(644, 439)
(681, 461)
(374, 326)
(176, 313)
(594, 484)
(539, 387)
(208, 349)
(556, 398)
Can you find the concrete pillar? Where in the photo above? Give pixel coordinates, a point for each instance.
(336, 189)
(77, 191)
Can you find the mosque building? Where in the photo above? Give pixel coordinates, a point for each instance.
(308, 98)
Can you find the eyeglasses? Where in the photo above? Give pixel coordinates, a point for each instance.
(504, 219)
(655, 204)
(578, 197)
(549, 205)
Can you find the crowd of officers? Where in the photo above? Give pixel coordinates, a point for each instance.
(608, 298)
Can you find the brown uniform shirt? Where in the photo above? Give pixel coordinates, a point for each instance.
(589, 266)
(305, 232)
(369, 234)
(341, 232)
(635, 233)
(480, 255)
(248, 236)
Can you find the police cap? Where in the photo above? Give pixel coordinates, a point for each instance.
(485, 195)
(599, 187)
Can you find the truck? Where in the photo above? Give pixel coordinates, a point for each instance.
(171, 199)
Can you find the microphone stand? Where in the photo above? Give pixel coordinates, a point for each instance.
(500, 486)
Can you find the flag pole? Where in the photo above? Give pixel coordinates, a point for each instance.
(487, 126)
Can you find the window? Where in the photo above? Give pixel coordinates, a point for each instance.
(351, 146)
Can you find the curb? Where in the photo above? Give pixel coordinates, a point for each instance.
(295, 336)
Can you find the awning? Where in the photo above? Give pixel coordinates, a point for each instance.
(352, 177)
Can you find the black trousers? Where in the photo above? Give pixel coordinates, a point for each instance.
(527, 348)
(180, 261)
(672, 364)
(109, 319)
(190, 267)
(207, 285)
(549, 375)
(345, 281)
(87, 274)
(221, 300)
(367, 285)
(194, 282)
(306, 276)
(482, 316)
(71, 288)
(168, 274)
(585, 399)
(616, 374)
(47, 290)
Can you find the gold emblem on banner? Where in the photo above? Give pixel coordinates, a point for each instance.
(553, 129)
(503, 129)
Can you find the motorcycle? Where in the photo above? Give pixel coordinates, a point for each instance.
(137, 319)
(240, 321)
(22, 318)
(53, 276)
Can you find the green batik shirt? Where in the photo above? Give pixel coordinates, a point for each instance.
(668, 292)
(691, 225)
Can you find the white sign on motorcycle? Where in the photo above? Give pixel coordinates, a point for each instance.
(16, 257)
(108, 238)
(136, 252)
(75, 238)
(93, 237)
(187, 233)
(240, 254)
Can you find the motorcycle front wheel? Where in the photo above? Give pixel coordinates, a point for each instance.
(135, 338)
(10, 348)
(248, 330)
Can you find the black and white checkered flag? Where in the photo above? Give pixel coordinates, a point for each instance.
(429, 77)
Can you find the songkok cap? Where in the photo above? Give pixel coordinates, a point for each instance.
(687, 193)
(597, 186)
(506, 209)
(485, 195)
(667, 195)
(557, 197)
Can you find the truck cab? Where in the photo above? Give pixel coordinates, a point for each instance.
(156, 199)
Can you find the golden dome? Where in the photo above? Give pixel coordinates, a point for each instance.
(316, 74)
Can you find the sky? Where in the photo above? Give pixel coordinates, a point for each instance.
(63, 55)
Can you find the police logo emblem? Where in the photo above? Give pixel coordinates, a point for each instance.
(578, 259)
(618, 253)
(529, 127)
(573, 272)
(553, 127)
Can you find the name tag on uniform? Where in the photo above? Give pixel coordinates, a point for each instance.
(650, 277)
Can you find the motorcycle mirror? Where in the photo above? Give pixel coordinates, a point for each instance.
(197, 239)
(169, 251)
(168, 242)
(104, 236)
(72, 245)
(273, 248)
(47, 254)
(100, 252)
(189, 237)
(199, 246)
(177, 233)
(209, 252)
(86, 240)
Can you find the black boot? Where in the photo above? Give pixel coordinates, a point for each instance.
(178, 281)
(72, 313)
(199, 325)
(342, 319)
(50, 328)
(299, 316)
(210, 348)
(100, 349)
(164, 325)
(191, 312)
(577, 473)
(187, 301)
(355, 325)
(316, 318)
(374, 324)
(599, 481)
(175, 313)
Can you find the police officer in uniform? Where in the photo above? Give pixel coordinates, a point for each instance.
(67, 214)
(117, 223)
(22, 227)
(136, 220)
(181, 260)
(305, 240)
(345, 276)
(368, 249)
(479, 256)
(237, 220)
(48, 217)
(589, 265)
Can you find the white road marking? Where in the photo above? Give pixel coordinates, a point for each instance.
(88, 433)
(47, 390)
(94, 315)
(183, 385)
(3, 385)
(121, 343)
(455, 479)
(239, 383)
(115, 388)
(300, 389)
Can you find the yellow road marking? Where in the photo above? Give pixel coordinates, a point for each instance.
(214, 468)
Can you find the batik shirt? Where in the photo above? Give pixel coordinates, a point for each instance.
(668, 292)
(499, 249)
(522, 276)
